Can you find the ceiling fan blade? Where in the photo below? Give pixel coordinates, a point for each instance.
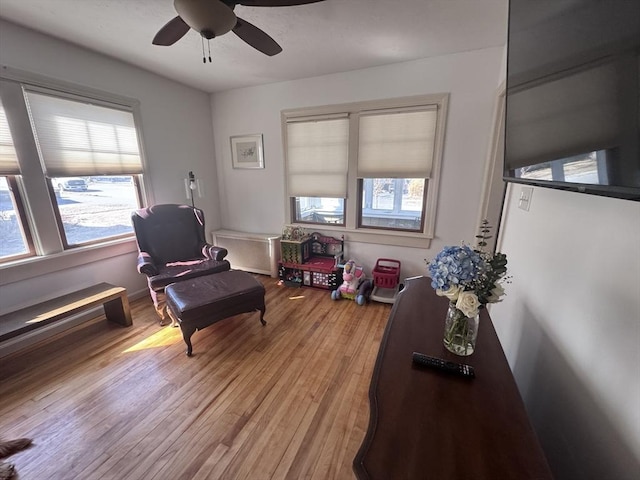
(256, 38)
(173, 31)
(274, 3)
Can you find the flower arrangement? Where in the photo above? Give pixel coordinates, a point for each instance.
(468, 277)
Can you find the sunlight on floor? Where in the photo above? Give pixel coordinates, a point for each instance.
(163, 338)
(299, 297)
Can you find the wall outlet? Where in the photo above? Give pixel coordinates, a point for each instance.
(524, 202)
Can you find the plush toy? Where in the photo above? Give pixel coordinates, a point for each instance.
(351, 278)
(354, 286)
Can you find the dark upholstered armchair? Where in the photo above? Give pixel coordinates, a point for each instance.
(172, 246)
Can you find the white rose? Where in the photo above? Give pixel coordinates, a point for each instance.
(468, 304)
(451, 293)
(496, 293)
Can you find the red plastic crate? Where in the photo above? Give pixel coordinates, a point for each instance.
(386, 273)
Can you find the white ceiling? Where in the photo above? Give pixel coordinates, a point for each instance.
(317, 39)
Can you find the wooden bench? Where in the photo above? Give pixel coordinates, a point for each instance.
(114, 299)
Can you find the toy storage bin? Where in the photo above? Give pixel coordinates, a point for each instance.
(294, 251)
(386, 273)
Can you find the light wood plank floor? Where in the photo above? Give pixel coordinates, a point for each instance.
(284, 401)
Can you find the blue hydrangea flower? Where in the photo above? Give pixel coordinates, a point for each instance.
(456, 266)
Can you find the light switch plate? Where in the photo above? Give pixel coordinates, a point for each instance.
(524, 202)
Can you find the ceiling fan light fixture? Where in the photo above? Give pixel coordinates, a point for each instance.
(209, 18)
(212, 18)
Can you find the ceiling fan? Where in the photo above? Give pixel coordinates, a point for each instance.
(212, 18)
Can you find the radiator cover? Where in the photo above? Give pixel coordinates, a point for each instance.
(253, 252)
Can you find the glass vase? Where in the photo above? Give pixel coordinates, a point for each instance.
(460, 332)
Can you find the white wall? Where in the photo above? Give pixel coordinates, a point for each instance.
(570, 327)
(176, 130)
(253, 200)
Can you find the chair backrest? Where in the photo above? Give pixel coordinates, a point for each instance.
(169, 232)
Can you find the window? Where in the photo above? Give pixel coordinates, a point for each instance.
(394, 203)
(92, 210)
(395, 151)
(79, 141)
(318, 210)
(14, 232)
(78, 157)
(370, 167)
(318, 156)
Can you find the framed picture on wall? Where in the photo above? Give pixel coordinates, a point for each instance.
(247, 151)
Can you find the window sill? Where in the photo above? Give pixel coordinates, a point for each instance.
(32, 267)
(379, 237)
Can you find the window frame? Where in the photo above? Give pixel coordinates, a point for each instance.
(18, 203)
(63, 234)
(361, 208)
(51, 251)
(302, 222)
(353, 201)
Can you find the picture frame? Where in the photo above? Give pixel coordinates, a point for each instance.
(247, 151)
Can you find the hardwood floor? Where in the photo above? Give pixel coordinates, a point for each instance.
(284, 401)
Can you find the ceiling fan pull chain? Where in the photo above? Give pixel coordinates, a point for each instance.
(209, 45)
(204, 60)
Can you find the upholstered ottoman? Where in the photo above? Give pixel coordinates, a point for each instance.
(202, 301)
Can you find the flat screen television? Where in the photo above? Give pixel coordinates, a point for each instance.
(573, 96)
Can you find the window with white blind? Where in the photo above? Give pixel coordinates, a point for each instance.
(317, 166)
(395, 159)
(370, 167)
(14, 229)
(8, 158)
(76, 137)
(77, 155)
(81, 144)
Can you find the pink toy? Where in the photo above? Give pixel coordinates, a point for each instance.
(354, 286)
(351, 278)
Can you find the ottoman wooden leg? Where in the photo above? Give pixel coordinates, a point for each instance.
(187, 331)
(262, 310)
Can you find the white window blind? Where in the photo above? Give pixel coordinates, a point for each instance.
(79, 138)
(396, 144)
(318, 157)
(8, 158)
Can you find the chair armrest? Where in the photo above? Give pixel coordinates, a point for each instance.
(214, 253)
(146, 265)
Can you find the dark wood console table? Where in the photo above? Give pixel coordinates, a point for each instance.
(430, 425)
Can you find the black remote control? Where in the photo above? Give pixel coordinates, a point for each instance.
(440, 364)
